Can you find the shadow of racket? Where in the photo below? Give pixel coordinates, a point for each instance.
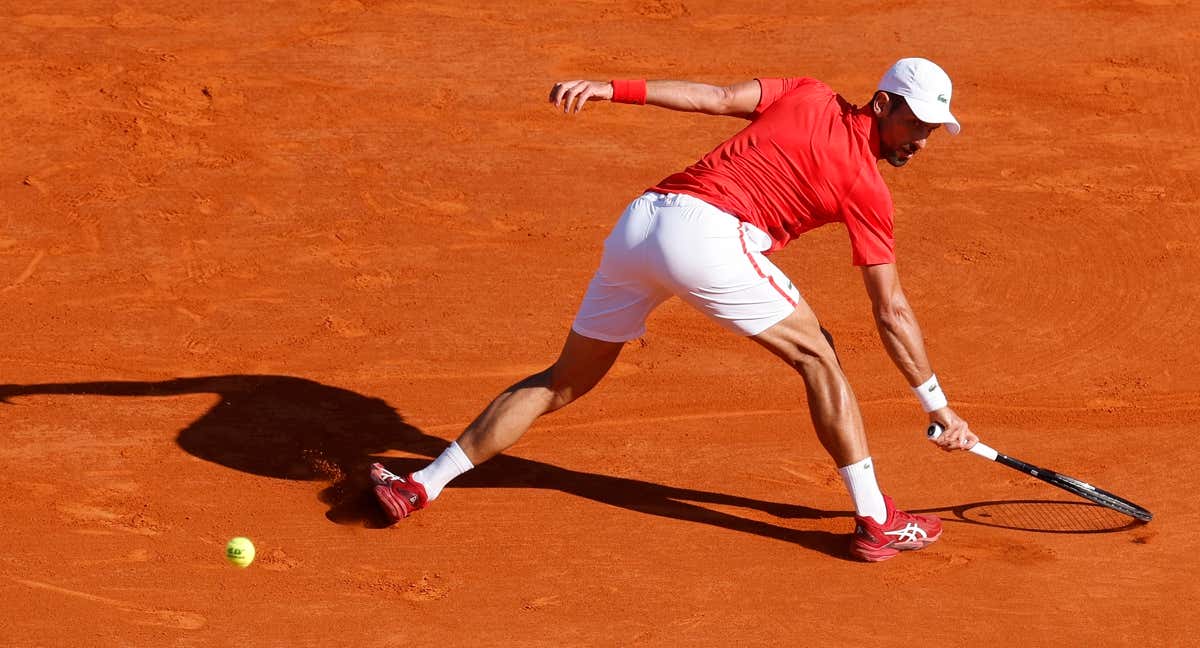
(1045, 516)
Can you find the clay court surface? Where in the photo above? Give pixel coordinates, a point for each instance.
(248, 248)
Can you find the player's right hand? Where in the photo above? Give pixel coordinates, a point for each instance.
(957, 434)
(571, 95)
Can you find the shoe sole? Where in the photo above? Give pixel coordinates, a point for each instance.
(891, 550)
(394, 506)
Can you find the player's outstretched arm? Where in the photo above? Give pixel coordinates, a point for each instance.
(739, 99)
(901, 336)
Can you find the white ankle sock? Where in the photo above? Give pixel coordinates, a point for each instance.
(860, 481)
(450, 464)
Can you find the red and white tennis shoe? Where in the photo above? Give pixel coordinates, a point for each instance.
(399, 496)
(902, 531)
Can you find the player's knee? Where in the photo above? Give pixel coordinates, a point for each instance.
(828, 338)
(812, 359)
(564, 386)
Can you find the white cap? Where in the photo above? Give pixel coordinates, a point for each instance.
(925, 87)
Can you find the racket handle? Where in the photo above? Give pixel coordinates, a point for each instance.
(935, 430)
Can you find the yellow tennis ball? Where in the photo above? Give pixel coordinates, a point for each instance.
(240, 552)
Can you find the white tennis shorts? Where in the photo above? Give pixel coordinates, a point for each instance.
(673, 244)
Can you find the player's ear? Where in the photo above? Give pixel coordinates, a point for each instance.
(881, 103)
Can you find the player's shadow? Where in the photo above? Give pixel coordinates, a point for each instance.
(294, 428)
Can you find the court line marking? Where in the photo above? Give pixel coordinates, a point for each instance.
(28, 271)
(169, 618)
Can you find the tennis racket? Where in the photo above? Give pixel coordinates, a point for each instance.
(1069, 484)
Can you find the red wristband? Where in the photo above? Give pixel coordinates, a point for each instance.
(629, 91)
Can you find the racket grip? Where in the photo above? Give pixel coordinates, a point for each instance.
(935, 430)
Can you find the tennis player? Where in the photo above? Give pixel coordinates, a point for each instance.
(807, 158)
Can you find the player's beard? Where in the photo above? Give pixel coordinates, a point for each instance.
(900, 155)
(893, 154)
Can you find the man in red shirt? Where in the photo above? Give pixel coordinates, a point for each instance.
(807, 158)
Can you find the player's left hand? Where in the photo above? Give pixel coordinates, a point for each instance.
(571, 95)
(957, 434)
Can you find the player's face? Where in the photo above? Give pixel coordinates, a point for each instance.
(901, 134)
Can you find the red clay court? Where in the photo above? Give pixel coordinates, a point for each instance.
(248, 248)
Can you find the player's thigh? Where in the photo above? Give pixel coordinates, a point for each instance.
(715, 263)
(622, 292)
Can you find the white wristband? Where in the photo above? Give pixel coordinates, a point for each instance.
(931, 395)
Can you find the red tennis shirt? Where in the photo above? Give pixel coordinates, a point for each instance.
(807, 158)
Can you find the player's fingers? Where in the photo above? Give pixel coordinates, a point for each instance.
(557, 91)
(948, 442)
(583, 97)
(951, 435)
(964, 438)
(952, 439)
(560, 89)
(969, 438)
(569, 99)
(579, 96)
(940, 440)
